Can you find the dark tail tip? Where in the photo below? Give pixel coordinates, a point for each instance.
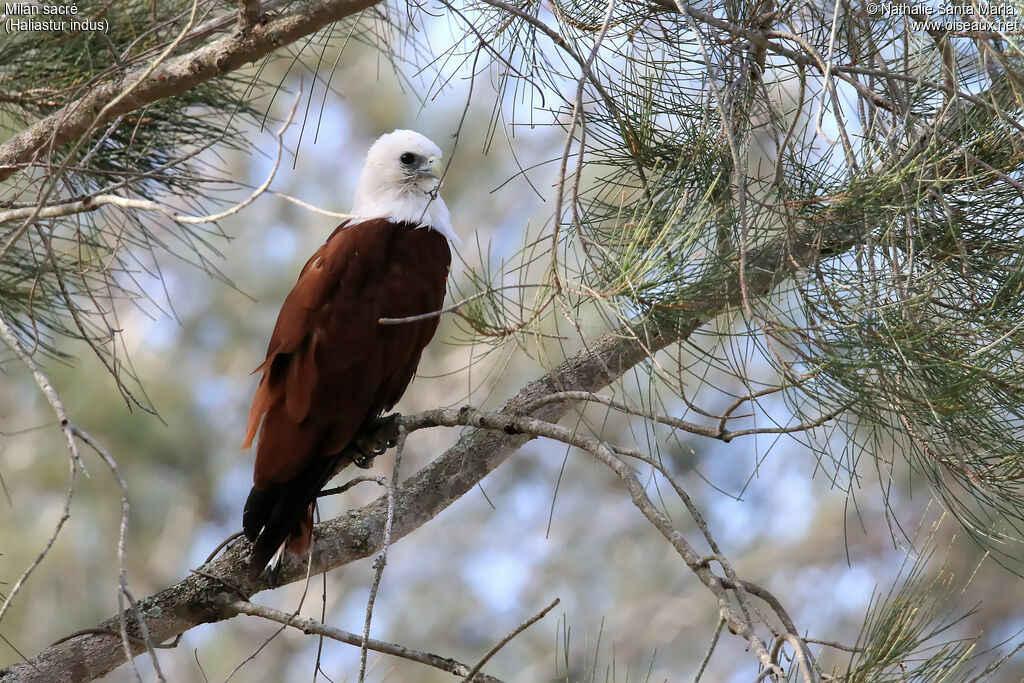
(275, 517)
(258, 517)
(284, 513)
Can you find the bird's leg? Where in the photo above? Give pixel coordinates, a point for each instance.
(381, 435)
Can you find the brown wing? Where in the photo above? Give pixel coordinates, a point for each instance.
(331, 368)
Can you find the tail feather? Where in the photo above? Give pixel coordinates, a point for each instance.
(282, 515)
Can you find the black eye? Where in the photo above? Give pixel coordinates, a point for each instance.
(407, 159)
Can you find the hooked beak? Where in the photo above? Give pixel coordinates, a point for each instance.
(429, 169)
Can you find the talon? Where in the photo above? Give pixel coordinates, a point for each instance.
(361, 458)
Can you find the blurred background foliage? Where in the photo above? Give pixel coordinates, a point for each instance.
(823, 520)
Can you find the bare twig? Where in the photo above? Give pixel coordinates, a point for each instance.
(249, 14)
(382, 559)
(833, 644)
(382, 481)
(454, 308)
(711, 650)
(719, 433)
(518, 424)
(507, 639)
(71, 433)
(576, 118)
(307, 625)
(223, 544)
(75, 461)
(313, 208)
(110, 632)
(122, 574)
(94, 203)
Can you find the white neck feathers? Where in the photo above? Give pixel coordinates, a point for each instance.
(402, 204)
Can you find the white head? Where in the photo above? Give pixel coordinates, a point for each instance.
(399, 181)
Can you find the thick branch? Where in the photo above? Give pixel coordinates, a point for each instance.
(173, 77)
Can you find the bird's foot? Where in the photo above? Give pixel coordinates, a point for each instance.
(375, 440)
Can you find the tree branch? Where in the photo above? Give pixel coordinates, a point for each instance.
(475, 675)
(307, 625)
(174, 76)
(208, 596)
(249, 14)
(94, 202)
(720, 433)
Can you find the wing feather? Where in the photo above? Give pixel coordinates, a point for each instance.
(330, 367)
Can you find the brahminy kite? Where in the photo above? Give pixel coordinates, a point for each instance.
(332, 369)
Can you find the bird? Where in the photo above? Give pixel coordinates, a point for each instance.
(332, 368)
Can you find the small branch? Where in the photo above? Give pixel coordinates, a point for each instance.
(727, 414)
(122, 574)
(454, 308)
(249, 14)
(521, 424)
(577, 118)
(311, 207)
(223, 544)
(382, 559)
(801, 653)
(507, 639)
(382, 481)
(741, 627)
(71, 433)
(838, 646)
(75, 463)
(43, 382)
(711, 650)
(307, 625)
(94, 203)
(700, 430)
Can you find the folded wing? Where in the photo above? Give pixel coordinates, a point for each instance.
(331, 368)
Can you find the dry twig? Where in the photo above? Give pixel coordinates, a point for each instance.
(307, 625)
